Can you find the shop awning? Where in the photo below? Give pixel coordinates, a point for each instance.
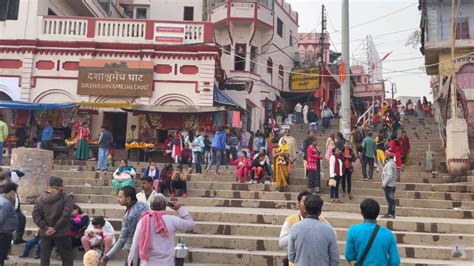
(18, 105)
(105, 105)
(220, 97)
(297, 96)
(175, 109)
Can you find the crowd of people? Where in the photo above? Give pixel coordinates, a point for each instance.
(147, 231)
(261, 157)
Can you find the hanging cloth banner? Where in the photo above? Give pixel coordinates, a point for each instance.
(229, 118)
(217, 119)
(236, 119)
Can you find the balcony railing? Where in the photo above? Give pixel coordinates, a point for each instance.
(65, 27)
(118, 30)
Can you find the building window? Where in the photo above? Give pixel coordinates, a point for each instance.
(141, 13)
(188, 13)
(281, 76)
(291, 38)
(279, 27)
(269, 66)
(462, 29)
(240, 52)
(51, 12)
(253, 58)
(106, 5)
(9, 9)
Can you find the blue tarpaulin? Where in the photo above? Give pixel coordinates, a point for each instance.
(17, 105)
(221, 97)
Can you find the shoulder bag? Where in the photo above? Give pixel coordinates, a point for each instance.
(360, 262)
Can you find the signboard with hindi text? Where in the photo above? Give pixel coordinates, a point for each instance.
(115, 78)
(305, 79)
(169, 33)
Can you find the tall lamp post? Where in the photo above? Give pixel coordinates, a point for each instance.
(393, 89)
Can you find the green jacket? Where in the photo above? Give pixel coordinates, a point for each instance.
(3, 131)
(368, 144)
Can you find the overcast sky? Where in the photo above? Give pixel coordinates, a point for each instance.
(395, 27)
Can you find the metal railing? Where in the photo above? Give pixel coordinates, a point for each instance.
(366, 117)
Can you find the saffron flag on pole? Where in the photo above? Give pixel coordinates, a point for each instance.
(342, 72)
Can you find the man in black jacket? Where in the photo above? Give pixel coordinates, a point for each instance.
(51, 214)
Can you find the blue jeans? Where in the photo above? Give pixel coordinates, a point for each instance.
(334, 192)
(390, 197)
(216, 158)
(30, 244)
(102, 160)
(299, 117)
(326, 122)
(197, 161)
(207, 158)
(1, 152)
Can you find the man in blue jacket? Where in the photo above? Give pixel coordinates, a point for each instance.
(46, 136)
(218, 148)
(8, 219)
(384, 248)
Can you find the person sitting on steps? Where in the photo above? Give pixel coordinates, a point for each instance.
(179, 181)
(99, 234)
(123, 176)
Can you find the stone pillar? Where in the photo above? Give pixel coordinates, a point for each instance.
(37, 165)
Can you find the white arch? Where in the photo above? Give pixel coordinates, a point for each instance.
(105, 99)
(174, 98)
(9, 86)
(47, 93)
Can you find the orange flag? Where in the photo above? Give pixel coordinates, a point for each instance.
(342, 72)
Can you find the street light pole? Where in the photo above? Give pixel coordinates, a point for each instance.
(345, 122)
(394, 90)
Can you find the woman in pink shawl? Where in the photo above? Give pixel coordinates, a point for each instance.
(154, 238)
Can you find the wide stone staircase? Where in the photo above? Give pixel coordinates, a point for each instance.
(240, 223)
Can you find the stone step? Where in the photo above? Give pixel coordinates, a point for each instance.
(265, 243)
(268, 201)
(279, 204)
(248, 229)
(422, 195)
(356, 184)
(104, 194)
(232, 202)
(297, 176)
(278, 216)
(297, 170)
